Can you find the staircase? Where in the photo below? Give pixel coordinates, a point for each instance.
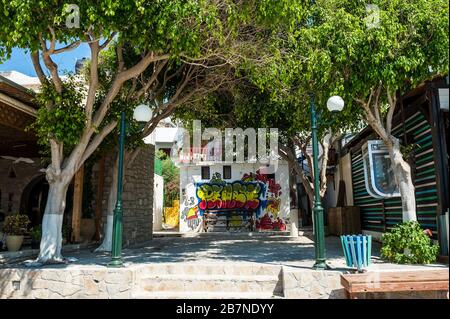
(212, 281)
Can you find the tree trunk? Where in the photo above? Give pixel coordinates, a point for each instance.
(50, 249)
(106, 244)
(402, 173)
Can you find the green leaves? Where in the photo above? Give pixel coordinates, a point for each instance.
(171, 175)
(407, 243)
(16, 225)
(60, 116)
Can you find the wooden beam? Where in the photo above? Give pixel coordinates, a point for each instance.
(18, 105)
(99, 199)
(77, 205)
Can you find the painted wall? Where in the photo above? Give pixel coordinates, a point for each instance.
(158, 202)
(346, 165)
(263, 202)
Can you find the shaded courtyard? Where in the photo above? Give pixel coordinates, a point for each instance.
(224, 248)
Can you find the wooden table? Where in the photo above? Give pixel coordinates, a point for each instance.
(395, 281)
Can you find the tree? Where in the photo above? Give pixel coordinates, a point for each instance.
(247, 106)
(193, 35)
(370, 56)
(170, 83)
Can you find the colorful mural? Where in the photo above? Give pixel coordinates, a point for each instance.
(235, 196)
(251, 203)
(190, 216)
(268, 219)
(171, 215)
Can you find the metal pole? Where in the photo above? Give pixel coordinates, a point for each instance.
(318, 209)
(116, 253)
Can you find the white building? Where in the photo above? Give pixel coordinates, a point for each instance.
(234, 197)
(163, 137)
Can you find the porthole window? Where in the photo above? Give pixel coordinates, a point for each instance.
(378, 173)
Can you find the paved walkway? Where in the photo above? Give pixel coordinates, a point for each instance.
(215, 248)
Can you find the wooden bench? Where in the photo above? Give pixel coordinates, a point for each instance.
(395, 281)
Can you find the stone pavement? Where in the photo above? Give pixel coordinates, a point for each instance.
(210, 266)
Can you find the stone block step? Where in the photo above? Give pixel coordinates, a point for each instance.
(229, 269)
(203, 295)
(210, 283)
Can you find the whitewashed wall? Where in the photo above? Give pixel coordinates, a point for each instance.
(158, 202)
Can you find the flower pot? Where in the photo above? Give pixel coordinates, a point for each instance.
(13, 242)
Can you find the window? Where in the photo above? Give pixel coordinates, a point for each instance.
(205, 172)
(378, 174)
(227, 172)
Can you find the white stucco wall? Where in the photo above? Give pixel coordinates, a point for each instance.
(158, 202)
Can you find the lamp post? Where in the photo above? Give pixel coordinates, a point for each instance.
(334, 104)
(142, 113)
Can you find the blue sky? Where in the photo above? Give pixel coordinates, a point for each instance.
(21, 61)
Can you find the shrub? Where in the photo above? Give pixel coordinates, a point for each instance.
(407, 243)
(16, 225)
(171, 175)
(36, 233)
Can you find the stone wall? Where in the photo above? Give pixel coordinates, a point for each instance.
(164, 279)
(11, 188)
(72, 282)
(312, 284)
(137, 195)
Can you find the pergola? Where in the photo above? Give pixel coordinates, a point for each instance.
(17, 112)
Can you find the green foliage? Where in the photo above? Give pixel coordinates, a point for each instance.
(171, 176)
(36, 232)
(193, 30)
(60, 116)
(410, 237)
(173, 26)
(16, 224)
(343, 54)
(334, 51)
(407, 150)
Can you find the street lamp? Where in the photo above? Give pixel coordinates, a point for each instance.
(334, 104)
(142, 113)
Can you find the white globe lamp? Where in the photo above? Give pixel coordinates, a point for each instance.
(335, 104)
(142, 113)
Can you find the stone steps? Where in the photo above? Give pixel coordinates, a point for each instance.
(215, 283)
(225, 280)
(224, 268)
(204, 295)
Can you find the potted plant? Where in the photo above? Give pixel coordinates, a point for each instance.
(36, 233)
(15, 226)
